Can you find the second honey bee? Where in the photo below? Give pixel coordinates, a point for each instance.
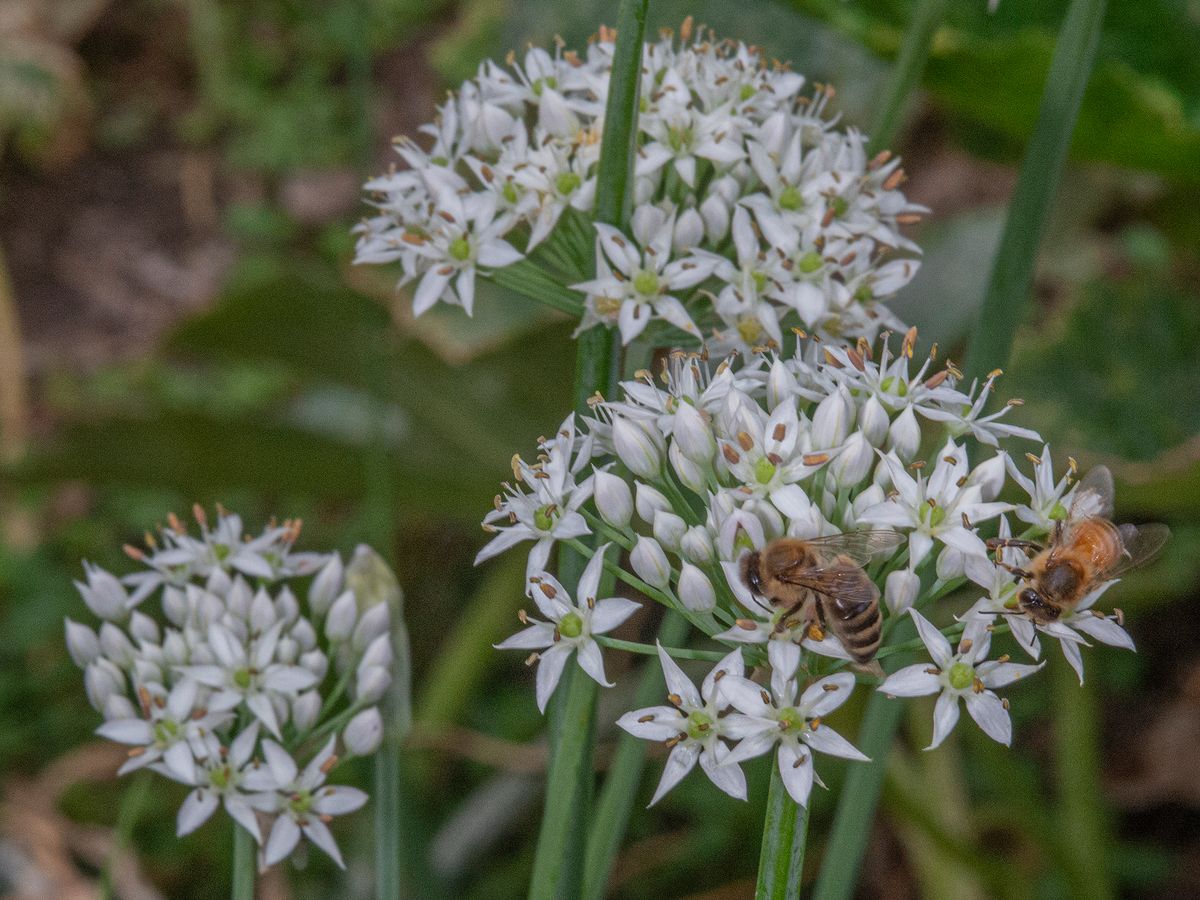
(1085, 549)
(821, 581)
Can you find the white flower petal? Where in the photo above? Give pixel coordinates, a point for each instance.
(285, 834)
(680, 761)
(549, 670)
(591, 660)
(945, 717)
(911, 681)
(729, 778)
(610, 613)
(795, 765)
(665, 724)
(989, 713)
(195, 811)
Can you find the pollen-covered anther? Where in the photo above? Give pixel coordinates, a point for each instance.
(327, 766)
(675, 699)
(745, 441)
(532, 658)
(829, 688)
(814, 459)
(977, 686)
(522, 617)
(134, 553)
(814, 632)
(766, 698)
(642, 720)
(548, 589)
(731, 455)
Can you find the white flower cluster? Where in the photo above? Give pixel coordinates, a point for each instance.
(231, 677)
(689, 474)
(753, 210)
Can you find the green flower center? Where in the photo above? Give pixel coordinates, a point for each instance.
(933, 515)
(791, 720)
(759, 279)
(645, 282)
(165, 731)
(220, 778)
(300, 802)
(439, 160)
(567, 182)
(790, 199)
(460, 249)
(893, 385)
(509, 192)
(679, 138)
(570, 625)
(840, 206)
(810, 262)
(242, 678)
(747, 91)
(1059, 512)
(961, 676)
(221, 552)
(750, 329)
(864, 293)
(698, 725)
(542, 83)
(764, 471)
(543, 518)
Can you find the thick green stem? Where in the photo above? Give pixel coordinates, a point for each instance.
(906, 75)
(785, 832)
(864, 781)
(397, 720)
(1007, 296)
(611, 816)
(244, 864)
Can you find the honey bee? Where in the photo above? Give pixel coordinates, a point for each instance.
(1085, 549)
(822, 581)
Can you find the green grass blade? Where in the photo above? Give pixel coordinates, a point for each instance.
(906, 75)
(785, 832)
(611, 815)
(1007, 296)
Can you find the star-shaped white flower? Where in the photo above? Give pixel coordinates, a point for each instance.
(549, 512)
(692, 727)
(939, 507)
(766, 720)
(967, 674)
(300, 801)
(218, 780)
(571, 626)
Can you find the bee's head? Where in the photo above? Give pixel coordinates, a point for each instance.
(1035, 604)
(751, 574)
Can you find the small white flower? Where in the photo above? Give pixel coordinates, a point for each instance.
(692, 726)
(695, 590)
(301, 801)
(966, 674)
(219, 780)
(767, 720)
(549, 512)
(571, 626)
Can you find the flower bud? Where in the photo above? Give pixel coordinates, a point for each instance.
(901, 589)
(316, 662)
(867, 498)
(146, 671)
(218, 582)
(304, 634)
(715, 213)
(339, 624)
(989, 475)
(832, 420)
(693, 434)
(904, 436)
(696, 545)
(695, 590)
(691, 476)
(950, 564)
(104, 595)
(649, 501)
(175, 649)
(363, 733)
(287, 650)
(287, 607)
(639, 448)
(175, 605)
(143, 628)
(781, 384)
(650, 563)
(740, 531)
(854, 463)
(614, 500)
(873, 421)
(378, 652)
(239, 598)
(669, 529)
(371, 684)
(101, 680)
(373, 623)
(305, 709)
(689, 231)
(326, 586)
(82, 643)
(262, 611)
(115, 645)
(118, 706)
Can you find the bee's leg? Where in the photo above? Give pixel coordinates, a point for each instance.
(785, 619)
(1032, 548)
(1016, 570)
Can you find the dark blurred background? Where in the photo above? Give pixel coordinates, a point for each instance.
(179, 322)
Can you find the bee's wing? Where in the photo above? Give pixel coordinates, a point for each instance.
(859, 546)
(1093, 495)
(1140, 544)
(845, 584)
